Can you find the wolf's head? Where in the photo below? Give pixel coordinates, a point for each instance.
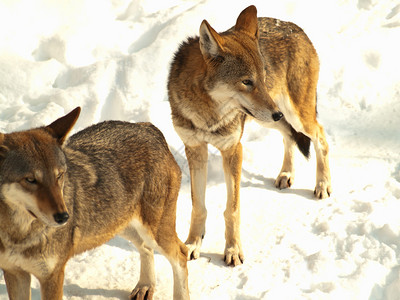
(32, 168)
(235, 68)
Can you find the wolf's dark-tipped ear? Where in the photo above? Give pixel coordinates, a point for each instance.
(3, 148)
(247, 21)
(211, 43)
(62, 126)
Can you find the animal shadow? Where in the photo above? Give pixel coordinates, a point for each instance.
(259, 181)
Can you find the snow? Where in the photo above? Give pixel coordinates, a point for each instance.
(112, 59)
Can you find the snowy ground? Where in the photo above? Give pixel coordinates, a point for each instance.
(112, 59)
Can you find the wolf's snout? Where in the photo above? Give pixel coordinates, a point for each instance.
(61, 218)
(276, 116)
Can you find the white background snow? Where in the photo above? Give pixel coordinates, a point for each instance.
(111, 57)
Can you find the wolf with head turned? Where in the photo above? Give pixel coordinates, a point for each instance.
(62, 197)
(263, 69)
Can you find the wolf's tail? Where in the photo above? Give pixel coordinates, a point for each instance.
(302, 141)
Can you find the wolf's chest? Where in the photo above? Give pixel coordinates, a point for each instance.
(222, 137)
(38, 265)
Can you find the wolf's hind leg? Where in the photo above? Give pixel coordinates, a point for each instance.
(145, 287)
(176, 253)
(323, 188)
(286, 175)
(172, 248)
(179, 268)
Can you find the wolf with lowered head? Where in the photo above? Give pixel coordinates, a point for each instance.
(263, 69)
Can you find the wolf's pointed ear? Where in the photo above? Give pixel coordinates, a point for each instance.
(62, 126)
(3, 148)
(247, 21)
(211, 43)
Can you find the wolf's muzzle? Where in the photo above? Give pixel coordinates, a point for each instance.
(276, 116)
(61, 218)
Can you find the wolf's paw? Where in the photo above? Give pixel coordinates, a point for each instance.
(233, 256)
(284, 180)
(193, 245)
(142, 292)
(322, 190)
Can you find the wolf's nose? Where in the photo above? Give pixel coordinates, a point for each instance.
(61, 218)
(277, 116)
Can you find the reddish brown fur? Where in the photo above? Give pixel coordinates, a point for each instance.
(258, 69)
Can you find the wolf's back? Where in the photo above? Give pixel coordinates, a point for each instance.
(116, 168)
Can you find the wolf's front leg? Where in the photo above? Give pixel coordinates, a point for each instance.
(197, 159)
(232, 161)
(51, 287)
(18, 285)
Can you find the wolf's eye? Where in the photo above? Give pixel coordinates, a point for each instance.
(247, 82)
(60, 176)
(30, 180)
